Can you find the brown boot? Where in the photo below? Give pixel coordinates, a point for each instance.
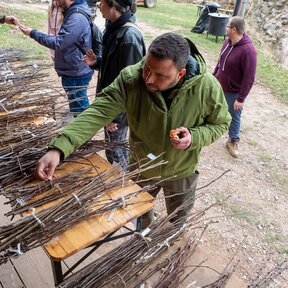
(232, 148)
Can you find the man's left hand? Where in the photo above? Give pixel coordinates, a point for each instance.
(183, 141)
(238, 105)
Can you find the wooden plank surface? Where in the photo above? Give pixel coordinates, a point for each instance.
(9, 277)
(97, 227)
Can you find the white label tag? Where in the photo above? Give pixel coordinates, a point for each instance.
(151, 156)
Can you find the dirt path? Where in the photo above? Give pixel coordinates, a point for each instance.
(253, 221)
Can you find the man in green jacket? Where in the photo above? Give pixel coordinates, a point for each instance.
(170, 88)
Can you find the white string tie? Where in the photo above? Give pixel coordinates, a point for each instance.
(36, 218)
(20, 201)
(33, 135)
(77, 198)
(110, 217)
(145, 231)
(2, 105)
(123, 179)
(18, 251)
(124, 201)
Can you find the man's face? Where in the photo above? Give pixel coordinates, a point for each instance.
(160, 75)
(230, 29)
(64, 4)
(106, 10)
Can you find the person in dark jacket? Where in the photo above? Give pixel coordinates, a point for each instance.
(70, 45)
(235, 70)
(123, 45)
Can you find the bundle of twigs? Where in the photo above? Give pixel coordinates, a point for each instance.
(38, 98)
(11, 54)
(25, 91)
(33, 136)
(19, 71)
(18, 160)
(137, 260)
(129, 265)
(24, 115)
(270, 276)
(22, 198)
(38, 228)
(14, 138)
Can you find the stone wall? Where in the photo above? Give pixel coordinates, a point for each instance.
(268, 20)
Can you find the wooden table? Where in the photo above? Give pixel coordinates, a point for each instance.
(98, 229)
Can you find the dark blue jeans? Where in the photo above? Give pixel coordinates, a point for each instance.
(77, 92)
(234, 129)
(118, 155)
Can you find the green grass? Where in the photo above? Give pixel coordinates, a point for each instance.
(10, 36)
(237, 211)
(277, 241)
(163, 16)
(273, 76)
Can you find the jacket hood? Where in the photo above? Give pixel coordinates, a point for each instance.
(81, 4)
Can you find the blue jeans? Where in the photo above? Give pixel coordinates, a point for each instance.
(234, 129)
(77, 92)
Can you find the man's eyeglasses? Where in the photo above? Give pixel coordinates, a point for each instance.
(229, 27)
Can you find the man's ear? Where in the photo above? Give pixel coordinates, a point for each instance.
(181, 73)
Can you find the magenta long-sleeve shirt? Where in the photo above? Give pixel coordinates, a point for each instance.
(236, 67)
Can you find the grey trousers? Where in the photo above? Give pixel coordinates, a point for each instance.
(177, 193)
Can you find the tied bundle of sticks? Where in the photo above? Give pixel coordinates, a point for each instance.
(18, 158)
(262, 281)
(39, 228)
(139, 259)
(25, 89)
(20, 73)
(19, 151)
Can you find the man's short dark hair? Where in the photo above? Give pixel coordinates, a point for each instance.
(171, 46)
(239, 24)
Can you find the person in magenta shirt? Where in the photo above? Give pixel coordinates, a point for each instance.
(236, 70)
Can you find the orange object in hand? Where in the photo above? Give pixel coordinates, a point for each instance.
(174, 133)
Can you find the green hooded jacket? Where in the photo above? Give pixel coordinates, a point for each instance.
(198, 104)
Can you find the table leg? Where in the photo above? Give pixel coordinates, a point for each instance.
(57, 272)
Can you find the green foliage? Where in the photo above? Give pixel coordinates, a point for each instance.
(277, 241)
(237, 211)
